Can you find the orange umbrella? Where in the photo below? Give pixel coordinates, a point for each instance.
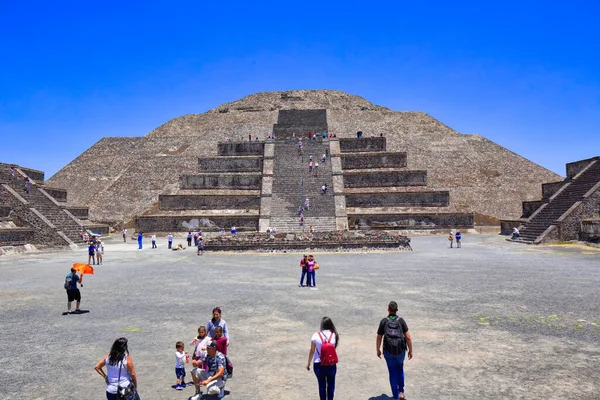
(83, 268)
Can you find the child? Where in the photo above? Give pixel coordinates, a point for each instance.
(451, 239)
(220, 340)
(91, 252)
(180, 359)
(200, 246)
(200, 343)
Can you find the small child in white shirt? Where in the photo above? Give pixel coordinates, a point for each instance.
(181, 357)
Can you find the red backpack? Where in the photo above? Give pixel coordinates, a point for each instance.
(328, 354)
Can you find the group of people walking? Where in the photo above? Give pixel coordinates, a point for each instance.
(393, 341)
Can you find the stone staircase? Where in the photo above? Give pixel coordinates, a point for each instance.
(571, 193)
(49, 209)
(292, 184)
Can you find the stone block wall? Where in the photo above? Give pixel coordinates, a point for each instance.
(529, 207)
(57, 194)
(506, 226)
(187, 223)
(548, 189)
(590, 230)
(16, 236)
(373, 160)
(364, 144)
(79, 212)
(221, 181)
(387, 179)
(34, 174)
(231, 164)
(398, 199)
(576, 167)
(240, 148)
(411, 221)
(4, 211)
(208, 202)
(568, 229)
(303, 117)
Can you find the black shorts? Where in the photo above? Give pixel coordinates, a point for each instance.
(74, 295)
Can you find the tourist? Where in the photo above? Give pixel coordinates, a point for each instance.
(310, 166)
(99, 252)
(124, 235)
(324, 189)
(324, 158)
(372, 134)
(140, 237)
(393, 332)
(233, 230)
(304, 267)
(359, 134)
(316, 169)
(300, 210)
(274, 230)
(200, 246)
(195, 236)
(189, 239)
(250, 137)
(307, 204)
(91, 252)
(214, 376)
(73, 293)
(217, 321)
(323, 135)
(220, 340)
(309, 135)
(311, 229)
(451, 239)
(310, 266)
(327, 151)
(180, 358)
(11, 173)
(381, 135)
(301, 220)
(458, 238)
(170, 240)
(120, 372)
(200, 342)
(27, 184)
(324, 357)
(515, 233)
(153, 238)
(300, 146)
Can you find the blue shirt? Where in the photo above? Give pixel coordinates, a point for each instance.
(210, 328)
(458, 236)
(140, 237)
(74, 280)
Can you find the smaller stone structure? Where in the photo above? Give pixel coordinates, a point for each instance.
(565, 208)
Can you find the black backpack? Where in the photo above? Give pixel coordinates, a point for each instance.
(69, 282)
(228, 367)
(394, 340)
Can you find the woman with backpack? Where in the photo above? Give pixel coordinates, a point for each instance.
(323, 354)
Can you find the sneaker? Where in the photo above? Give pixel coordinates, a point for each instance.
(183, 384)
(197, 396)
(178, 387)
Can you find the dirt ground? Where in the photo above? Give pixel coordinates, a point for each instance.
(489, 321)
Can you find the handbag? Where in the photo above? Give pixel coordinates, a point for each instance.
(316, 266)
(126, 393)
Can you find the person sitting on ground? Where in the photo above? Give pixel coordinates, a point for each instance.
(179, 247)
(515, 233)
(214, 376)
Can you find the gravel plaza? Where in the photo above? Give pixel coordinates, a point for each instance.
(492, 320)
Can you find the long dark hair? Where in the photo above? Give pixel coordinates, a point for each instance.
(118, 351)
(327, 325)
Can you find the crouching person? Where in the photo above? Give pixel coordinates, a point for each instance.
(214, 376)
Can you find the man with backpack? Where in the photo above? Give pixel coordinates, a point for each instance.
(393, 333)
(73, 293)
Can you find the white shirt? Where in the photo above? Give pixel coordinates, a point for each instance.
(317, 341)
(170, 238)
(154, 237)
(112, 371)
(179, 359)
(202, 343)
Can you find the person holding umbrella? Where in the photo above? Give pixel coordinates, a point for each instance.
(73, 293)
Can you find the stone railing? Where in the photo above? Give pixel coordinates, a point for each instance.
(363, 144)
(230, 164)
(221, 181)
(240, 148)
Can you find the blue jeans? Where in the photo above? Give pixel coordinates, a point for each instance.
(304, 272)
(311, 280)
(140, 244)
(326, 379)
(111, 396)
(395, 366)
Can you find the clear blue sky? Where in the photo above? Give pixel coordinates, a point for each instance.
(525, 74)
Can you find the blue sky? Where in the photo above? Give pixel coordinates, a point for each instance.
(524, 74)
